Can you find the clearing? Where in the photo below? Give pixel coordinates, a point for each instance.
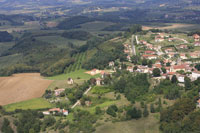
(21, 87)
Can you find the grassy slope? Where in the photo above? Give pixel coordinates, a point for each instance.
(61, 80)
(143, 125)
(74, 75)
(38, 103)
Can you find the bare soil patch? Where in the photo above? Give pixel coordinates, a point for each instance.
(172, 26)
(21, 87)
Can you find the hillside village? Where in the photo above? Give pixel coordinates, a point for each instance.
(132, 77)
(168, 54)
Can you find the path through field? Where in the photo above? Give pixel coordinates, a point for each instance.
(21, 87)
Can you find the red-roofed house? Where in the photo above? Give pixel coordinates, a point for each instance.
(158, 38)
(150, 57)
(149, 52)
(178, 68)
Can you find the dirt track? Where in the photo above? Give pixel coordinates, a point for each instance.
(22, 87)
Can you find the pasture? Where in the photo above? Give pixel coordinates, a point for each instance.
(37, 103)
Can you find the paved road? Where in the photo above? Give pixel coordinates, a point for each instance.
(133, 46)
(78, 101)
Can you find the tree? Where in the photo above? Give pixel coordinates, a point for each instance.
(150, 63)
(146, 112)
(168, 64)
(156, 72)
(133, 113)
(174, 79)
(142, 104)
(197, 66)
(163, 70)
(159, 108)
(6, 126)
(98, 110)
(152, 109)
(111, 112)
(144, 62)
(188, 83)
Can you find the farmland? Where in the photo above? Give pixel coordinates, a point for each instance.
(21, 87)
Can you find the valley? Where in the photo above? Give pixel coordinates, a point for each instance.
(93, 66)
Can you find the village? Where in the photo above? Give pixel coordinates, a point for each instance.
(169, 54)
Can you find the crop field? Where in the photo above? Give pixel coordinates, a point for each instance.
(21, 87)
(37, 103)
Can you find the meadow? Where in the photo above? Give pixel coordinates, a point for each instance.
(37, 103)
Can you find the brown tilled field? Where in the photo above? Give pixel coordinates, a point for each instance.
(20, 87)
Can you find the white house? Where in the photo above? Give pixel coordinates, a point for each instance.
(181, 78)
(70, 81)
(195, 75)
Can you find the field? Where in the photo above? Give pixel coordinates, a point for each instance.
(144, 125)
(60, 81)
(175, 26)
(37, 103)
(21, 87)
(74, 75)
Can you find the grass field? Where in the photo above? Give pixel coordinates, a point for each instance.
(38, 103)
(100, 90)
(143, 125)
(74, 75)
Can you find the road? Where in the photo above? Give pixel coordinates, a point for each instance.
(133, 46)
(78, 101)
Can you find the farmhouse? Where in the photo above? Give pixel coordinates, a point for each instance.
(98, 81)
(196, 37)
(58, 91)
(56, 110)
(111, 63)
(70, 81)
(95, 71)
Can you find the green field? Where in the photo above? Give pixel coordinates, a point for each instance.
(37, 103)
(100, 90)
(74, 75)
